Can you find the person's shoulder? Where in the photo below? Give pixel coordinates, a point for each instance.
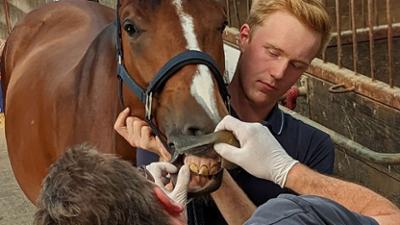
(292, 209)
(303, 128)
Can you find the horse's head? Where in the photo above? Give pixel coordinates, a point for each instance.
(188, 103)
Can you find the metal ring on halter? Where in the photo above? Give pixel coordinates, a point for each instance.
(148, 104)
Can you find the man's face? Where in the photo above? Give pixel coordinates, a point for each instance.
(274, 55)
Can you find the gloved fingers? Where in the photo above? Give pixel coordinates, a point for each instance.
(228, 123)
(161, 168)
(179, 194)
(237, 127)
(160, 171)
(183, 179)
(229, 152)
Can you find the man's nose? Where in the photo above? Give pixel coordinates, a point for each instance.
(279, 68)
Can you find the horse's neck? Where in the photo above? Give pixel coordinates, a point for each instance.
(100, 66)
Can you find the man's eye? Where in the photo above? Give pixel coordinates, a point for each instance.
(299, 66)
(273, 54)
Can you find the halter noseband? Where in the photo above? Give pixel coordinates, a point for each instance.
(187, 57)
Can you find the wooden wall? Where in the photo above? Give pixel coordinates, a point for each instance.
(362, 120)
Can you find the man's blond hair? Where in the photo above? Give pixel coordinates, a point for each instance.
(312, 13)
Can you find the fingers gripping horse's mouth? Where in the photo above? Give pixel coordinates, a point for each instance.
(205, 164)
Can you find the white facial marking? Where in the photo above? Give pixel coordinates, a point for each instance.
(202, 88)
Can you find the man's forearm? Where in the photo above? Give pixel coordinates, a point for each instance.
(354, 197)
(232, 202)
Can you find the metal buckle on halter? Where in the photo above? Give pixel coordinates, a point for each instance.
(119, 59)
(147, 105)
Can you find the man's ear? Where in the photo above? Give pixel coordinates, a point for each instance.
(244, 36)
(173, 208)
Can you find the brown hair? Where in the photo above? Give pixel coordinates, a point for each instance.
(85, 187)
(310, 12)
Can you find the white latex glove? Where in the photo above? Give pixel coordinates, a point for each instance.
(260, 153)
(160, 172)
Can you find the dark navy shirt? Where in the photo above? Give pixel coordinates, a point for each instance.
(308, 145)
(305, 210)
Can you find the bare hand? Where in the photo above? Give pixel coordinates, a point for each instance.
(138, 133)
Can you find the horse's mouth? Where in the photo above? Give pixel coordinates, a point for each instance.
(205, 173)
(205, 164)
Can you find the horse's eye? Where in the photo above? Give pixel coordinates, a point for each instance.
(131, 28)
(222, 27)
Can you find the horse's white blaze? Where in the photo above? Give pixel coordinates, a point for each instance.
(202, 88)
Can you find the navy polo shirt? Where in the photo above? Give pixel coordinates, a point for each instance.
(310, 210)
(302, 142)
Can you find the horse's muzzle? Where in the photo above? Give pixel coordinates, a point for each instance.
(201, 147)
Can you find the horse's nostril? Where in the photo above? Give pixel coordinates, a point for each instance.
(171, 145)
(192, 131)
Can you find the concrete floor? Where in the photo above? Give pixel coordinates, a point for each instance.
(15, 209)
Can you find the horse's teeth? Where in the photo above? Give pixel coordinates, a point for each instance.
(204, 170)
(194, 168)
(214, 169)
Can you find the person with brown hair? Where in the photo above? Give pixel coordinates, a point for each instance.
(84, 187)
(277, 44)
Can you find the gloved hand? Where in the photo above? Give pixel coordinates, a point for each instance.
(160, 172)
(260, 153)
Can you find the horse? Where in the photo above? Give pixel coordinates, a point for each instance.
(70, 67)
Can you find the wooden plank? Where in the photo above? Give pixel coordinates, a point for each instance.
(371, 176)
(369, 123)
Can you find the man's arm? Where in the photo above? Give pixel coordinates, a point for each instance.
(262, 156)
(354, 197)
(232, 202)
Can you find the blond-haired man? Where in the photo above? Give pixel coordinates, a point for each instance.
(277, 44)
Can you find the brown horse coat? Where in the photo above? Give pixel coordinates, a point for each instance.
(59, 76)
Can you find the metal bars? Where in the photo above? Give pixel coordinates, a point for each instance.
(339, 35)
(354, 36)
(390, 42)
(367, 33)
(371, 39)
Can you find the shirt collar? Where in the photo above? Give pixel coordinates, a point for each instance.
(275, 120)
